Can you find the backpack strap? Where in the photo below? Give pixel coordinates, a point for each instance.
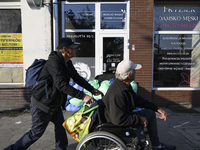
(42, 81)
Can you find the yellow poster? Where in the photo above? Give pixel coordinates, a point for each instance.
(11, 51)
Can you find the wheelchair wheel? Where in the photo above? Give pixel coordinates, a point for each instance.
(101, 140)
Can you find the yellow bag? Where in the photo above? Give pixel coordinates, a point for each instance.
(78, 124)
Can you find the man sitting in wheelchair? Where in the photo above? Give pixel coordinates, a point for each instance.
(120, 101)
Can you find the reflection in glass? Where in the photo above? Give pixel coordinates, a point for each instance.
(10, 21)
(113, 48)
(87, 40)
(175, 60)
(169, 18)
(113, 16)
(84, 62)
(79, 16)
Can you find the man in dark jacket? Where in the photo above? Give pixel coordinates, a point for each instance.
(120, 101)
(46, 107)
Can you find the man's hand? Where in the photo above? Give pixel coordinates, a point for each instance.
(96, 92)
(144, 121)
(163, 114)
(88, 99)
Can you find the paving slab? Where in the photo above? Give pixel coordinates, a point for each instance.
(180, 129)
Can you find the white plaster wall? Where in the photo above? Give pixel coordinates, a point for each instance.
(36, 33)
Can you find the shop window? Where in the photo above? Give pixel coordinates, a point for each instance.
(11, 51)
(176, 46)
(78, 19)
(85, 55)
(113, 16)
(79, 16)
(87, 40)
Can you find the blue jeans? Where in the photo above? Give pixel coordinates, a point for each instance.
(40, 121)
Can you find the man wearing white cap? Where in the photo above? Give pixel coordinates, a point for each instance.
(120, 101)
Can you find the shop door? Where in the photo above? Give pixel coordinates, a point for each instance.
(113, 48)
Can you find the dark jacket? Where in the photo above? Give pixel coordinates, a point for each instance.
(58, 74)
(120, 101)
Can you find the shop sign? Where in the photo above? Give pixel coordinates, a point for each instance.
(176, 18)
(35, 4)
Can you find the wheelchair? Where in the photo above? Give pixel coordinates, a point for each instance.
(107, 136)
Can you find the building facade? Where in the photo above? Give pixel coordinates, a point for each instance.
(162, 36)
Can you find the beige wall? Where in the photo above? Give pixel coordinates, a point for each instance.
(36, 33)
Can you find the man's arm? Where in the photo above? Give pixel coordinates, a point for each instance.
(144, 103)
(55, 69)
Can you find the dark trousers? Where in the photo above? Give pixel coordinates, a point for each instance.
(151, 126)
(40, 121)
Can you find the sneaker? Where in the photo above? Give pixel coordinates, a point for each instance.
(164, 147)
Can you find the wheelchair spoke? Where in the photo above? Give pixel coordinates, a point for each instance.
(101, 142)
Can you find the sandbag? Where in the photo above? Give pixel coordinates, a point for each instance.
(135, 89)
(87, 92)
(134, 86)
(112, 80)
(94, 83)
(76, 102)
(104, 86)
(71, 107)
(76, 86)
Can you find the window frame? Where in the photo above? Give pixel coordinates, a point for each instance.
(97, 30)
(177, 4)
(11, 4)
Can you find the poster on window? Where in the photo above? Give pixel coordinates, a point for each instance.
(11, 51)
(176, 60)
(113, 16)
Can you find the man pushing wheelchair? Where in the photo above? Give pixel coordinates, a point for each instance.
(120, 101)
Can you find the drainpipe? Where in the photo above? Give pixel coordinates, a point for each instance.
(55, 24)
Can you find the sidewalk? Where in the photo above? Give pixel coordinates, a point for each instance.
(180, 129)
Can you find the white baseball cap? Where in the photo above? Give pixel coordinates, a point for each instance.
(126, 66)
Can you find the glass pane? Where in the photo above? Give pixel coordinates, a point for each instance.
(87, 40)
(169, 18)
(113, 53)
(113, 16)
(79, 16)
(176, 60)
(11, 50)
(84, 61)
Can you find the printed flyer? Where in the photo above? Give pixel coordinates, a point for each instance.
(11, 50)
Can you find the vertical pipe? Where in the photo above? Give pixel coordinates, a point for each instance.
(55, 24)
